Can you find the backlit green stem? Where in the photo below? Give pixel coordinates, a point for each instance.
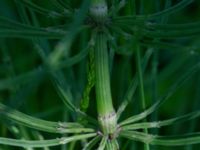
(106, 112)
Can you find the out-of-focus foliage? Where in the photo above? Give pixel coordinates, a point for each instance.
(44, 61)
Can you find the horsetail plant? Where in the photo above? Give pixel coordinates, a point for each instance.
(112, 36)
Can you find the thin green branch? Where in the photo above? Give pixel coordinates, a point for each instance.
(44, 143)
(181, 140)
(39, 124)
(158, 124)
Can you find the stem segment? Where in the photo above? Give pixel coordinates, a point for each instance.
(106, 112)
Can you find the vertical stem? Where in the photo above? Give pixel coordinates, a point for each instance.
(141, 85)
(106, 112)
(102, 76)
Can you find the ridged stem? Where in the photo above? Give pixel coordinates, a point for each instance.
(106, 112)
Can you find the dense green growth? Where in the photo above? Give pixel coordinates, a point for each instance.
(97, 74)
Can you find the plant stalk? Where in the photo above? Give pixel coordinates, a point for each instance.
(106, 113)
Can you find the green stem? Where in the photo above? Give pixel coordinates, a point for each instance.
(141, 85)
(106, 112)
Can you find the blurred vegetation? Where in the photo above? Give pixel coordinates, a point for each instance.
(26, 87)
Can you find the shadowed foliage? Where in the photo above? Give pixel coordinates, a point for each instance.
(99, 74)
